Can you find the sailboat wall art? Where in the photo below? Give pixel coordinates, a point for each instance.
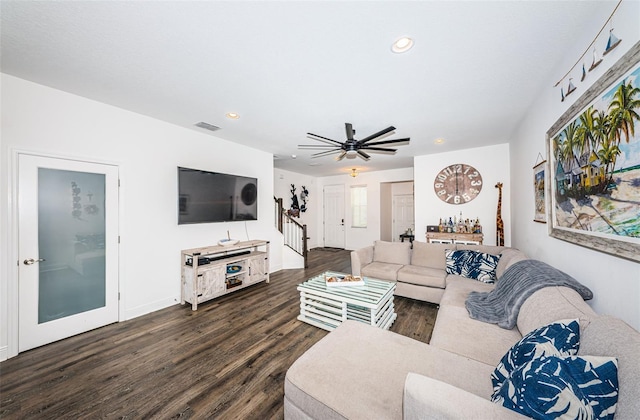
(593, 152)
(612, 42)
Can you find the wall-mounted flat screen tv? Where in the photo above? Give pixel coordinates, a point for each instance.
(207, 197)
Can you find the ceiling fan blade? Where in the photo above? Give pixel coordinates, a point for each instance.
(325, 153)
(320, 138)
(398, 142)
(379, 150)
(363, 155)
(376, 135)
(342, 155)
(350, 131)
(316, 146)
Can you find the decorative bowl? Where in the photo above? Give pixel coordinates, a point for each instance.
(228, 242)
(232, 269)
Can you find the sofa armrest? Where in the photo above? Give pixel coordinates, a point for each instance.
(360, 258)
(428, 398)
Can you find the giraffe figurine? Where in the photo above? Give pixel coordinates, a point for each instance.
(499, 222)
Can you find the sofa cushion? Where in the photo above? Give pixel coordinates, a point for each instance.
(358, 372)
(423, 276)
(429, 255)
(561, 338)
(609, 336)
(428, 398)
(454, 331)
(551, 304)
(392, 252)
(472, 264)
(508, 257)
(382, 271)
(487, 249)
(458, 289)
(562, 388)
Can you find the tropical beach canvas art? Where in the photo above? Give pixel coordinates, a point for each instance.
(595, 164)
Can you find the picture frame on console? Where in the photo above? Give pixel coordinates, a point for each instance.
(593, 152)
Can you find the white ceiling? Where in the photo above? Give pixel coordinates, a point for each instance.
(292, 67)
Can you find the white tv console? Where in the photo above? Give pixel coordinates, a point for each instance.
(217, 270)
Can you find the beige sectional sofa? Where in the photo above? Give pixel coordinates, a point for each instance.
(361, 372)
(419, 271)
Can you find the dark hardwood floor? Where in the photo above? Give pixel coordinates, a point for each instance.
(226, 360)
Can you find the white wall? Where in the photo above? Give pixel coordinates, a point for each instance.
(614, 281)
(44, 120)
(493, 164)
(282, 181)
(360, 237)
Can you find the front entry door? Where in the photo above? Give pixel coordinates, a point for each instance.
(68, 248)
(334, 216)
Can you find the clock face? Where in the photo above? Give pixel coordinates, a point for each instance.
(458, 184)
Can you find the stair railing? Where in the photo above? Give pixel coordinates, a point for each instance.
(294, 233)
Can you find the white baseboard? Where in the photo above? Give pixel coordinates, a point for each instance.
(4, 353)
(150, 307)
(274, 268)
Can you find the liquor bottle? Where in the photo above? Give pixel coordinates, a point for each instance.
(440, 226)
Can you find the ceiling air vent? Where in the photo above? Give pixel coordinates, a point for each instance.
(207, 126)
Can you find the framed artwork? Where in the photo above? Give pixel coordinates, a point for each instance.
(594, 164)
(540, 210)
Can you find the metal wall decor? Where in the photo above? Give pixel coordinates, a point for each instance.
(612, 42)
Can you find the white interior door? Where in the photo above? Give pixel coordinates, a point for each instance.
(334, 216)
(403, 217)
(68, 248)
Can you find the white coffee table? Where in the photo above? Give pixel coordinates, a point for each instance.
(327, 307)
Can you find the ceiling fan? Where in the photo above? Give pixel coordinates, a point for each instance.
(352, 147)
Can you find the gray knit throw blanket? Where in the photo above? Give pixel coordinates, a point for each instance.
(502, 305)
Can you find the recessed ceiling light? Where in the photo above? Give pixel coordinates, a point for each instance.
(403, 44)
(439, 140)
(232, 115)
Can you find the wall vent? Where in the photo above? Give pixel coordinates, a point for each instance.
(207, 126)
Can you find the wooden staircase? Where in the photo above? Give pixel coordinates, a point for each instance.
(294, 233)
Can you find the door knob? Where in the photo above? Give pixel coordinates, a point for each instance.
(30, 261)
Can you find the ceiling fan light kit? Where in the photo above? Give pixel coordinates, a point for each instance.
(352, 147)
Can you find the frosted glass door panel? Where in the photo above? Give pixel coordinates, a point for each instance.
(68, 240)
(71, 240)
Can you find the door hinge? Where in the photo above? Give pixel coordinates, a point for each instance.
(118, 295)
(118, 182)
(118, 238)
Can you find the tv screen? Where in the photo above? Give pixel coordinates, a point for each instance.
(206, 197)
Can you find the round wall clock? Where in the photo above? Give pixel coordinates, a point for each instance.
(458, 184)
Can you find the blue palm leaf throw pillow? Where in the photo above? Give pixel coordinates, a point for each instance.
(472, 264)
(561, 338)
(555, 387)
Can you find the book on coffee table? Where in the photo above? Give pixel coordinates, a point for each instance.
(337, 280)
